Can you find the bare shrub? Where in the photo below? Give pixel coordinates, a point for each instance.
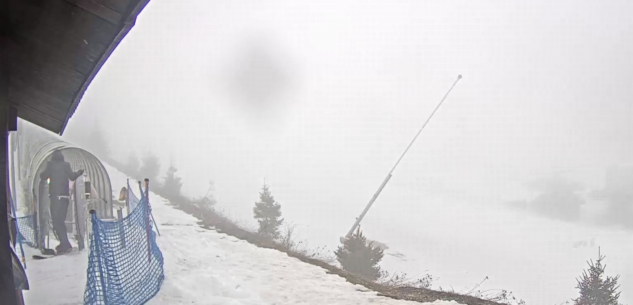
(287, 241)
(401, 279)
(495, 295)
(286, 237)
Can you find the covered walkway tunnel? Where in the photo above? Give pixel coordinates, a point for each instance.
(34, 149)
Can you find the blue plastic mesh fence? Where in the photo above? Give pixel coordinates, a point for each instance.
(133, 201)
(26, 230)
(122, 269)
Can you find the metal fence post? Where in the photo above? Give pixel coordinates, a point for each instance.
(147, 223)
(119, 213)
(127, 197)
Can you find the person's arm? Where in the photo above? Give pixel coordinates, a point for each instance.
(46, 173)
(72, 176)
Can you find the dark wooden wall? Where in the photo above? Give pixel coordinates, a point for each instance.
(8, 294)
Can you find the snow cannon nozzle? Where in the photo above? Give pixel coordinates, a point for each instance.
(459, 76)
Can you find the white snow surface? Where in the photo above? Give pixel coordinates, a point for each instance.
(205, 267)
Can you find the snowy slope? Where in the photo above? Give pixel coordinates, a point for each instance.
(205, 267)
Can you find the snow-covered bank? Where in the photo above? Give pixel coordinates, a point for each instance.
(206, 267)
(461, 241)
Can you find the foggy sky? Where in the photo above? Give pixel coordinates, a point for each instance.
(337, 90)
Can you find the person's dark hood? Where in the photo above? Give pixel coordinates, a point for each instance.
(57, 156)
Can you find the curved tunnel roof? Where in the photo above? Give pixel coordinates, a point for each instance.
(37, 150)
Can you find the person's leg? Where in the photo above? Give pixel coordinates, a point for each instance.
(54, 208)
(59, 208)
(61, 222)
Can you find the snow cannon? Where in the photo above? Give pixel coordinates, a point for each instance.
(389, 175)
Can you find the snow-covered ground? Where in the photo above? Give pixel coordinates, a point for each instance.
(460, 259)
(205, 267)
(459, 241)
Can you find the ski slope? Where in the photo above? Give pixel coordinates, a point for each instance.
(205, 267)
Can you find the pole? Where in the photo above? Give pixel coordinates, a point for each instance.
(150, 212)
(384, 182)
(119, 214)
(36, 229)
(127, 197)
(140, 188)
(146, 211)
(371, 202)
(79, 235)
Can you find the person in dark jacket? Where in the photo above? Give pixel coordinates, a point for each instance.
(59, 173)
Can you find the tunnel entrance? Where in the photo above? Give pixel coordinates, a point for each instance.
(92, 191)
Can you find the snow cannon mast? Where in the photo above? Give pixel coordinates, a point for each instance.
(384, 182)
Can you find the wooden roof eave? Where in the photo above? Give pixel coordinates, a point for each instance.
(125, 23)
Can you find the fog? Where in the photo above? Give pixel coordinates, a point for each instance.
(319, 99)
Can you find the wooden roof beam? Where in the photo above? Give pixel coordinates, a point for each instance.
(98, 10)
(128, 19)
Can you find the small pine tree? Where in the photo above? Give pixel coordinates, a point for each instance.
(594, 288)
(172, 183)
(358, 257)
(98, 142)
(268, 214)
(133, 164)
(150, 167)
